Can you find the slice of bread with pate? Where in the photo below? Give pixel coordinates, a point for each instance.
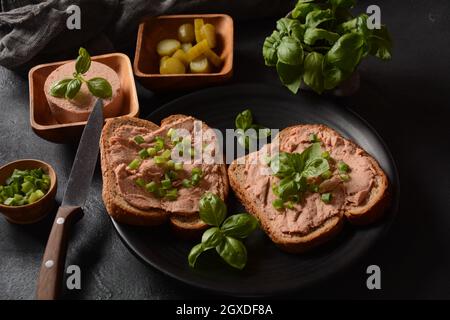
(360, 194)
(127, 194)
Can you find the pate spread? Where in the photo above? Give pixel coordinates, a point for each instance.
(124, 149)
(311, 212)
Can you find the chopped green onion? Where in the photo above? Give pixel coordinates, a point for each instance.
(170, 164)
(195, 179)
(152, 152)
(345, 177)
(326, 197)
(159, 160)
(160, 192)
(134, 164)
(278, 204)
(144, 154)
(139, 139)
(166, 154)
(151, 186)
(140, 182)
(172, 175)
(166, 184)
(313, 138)
(326, 175)
(295, 198)
(9, 202)
(178, 166)
(170, 132)
(172, 194)
(27, 186)
(342, 166)
(187, 183)
(197, 171)
(35, 196)
(159, 143)
(326, 155)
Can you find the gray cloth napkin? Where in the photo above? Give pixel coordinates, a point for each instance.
(32, 28)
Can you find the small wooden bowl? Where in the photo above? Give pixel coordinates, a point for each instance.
(153, 30)
(36, 211)
(41, 118)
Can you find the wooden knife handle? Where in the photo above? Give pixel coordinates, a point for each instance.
(53, 263)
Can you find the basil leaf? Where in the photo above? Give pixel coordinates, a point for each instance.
(72, 89)
(316, 17)
(314, 151)
(195, 252)
(100, 88)
(312, 74)
(347, 4)
(316, 167)
(290, 76)
(233, 252)
(290, 51)
(332, 76)
(270, 49)
(244, 120)
(239, 225)
(346, 53)
(262, 132)
(314, 34)
(58, 89)
(302, 9)
(212, 238)
(288, 187)
(83, 62)
(284, 26)
(212, 209)
(381, 44)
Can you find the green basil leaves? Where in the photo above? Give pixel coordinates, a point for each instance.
(244, 122)
(224, 236)
(294, 170)
(68, 88)
(322, 44)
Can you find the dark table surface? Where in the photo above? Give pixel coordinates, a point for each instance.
(406, 100)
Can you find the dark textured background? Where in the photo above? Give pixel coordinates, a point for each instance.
(406, 100)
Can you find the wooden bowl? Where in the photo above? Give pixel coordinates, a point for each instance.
(42, 120)
(153, 30)
(36, 211)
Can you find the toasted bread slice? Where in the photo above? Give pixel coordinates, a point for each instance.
(120, 209)
(369, 210)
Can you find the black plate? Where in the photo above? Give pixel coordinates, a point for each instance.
(269, 271)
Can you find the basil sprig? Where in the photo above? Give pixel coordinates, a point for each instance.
(244, 122)
(225, 235)
(294, 170)
(69, 87)
(322, 44)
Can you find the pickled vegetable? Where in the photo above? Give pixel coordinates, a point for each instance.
(162, 59)
(186, 46)
(198, 24)
(213, 58)
(167, 47)
(186, 33)
(181, 55)
(209, 33)
(200, 65)
(172, 66)
(197, 50)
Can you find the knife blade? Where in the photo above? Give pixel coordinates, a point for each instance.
(53, 263)
(83, 166)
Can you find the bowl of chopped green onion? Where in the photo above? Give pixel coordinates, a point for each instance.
(27, 190)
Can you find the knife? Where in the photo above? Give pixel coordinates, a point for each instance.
(53, 263)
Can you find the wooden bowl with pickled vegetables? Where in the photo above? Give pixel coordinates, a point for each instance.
(27, 190)
(179, 52)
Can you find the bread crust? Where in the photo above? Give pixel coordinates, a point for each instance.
(120, 210)
(366, 214)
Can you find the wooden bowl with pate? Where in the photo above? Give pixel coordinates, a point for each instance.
(62, 120)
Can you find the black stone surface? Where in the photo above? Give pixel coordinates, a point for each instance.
(406, 100)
